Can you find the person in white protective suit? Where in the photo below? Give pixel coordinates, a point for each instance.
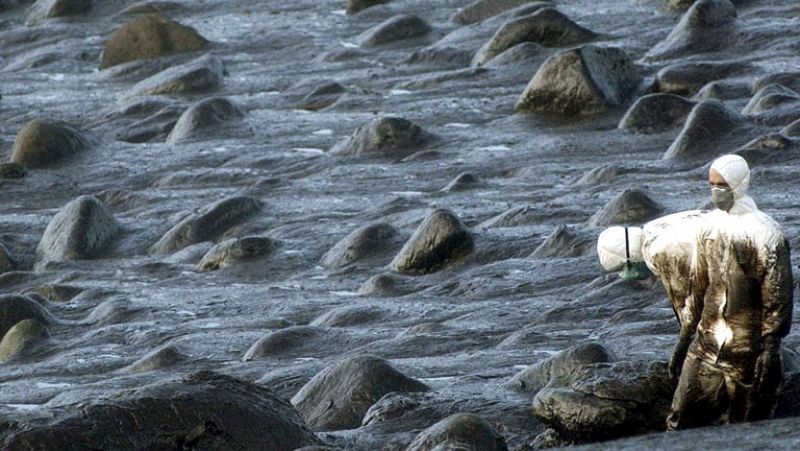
(664, 247)
(740, 282)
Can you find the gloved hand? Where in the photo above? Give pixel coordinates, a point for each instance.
(768, 362)
(678, 356)
(767, 376)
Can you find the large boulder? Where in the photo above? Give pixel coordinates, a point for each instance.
(632, 206)
(565, 363)
(16, 308)
(195, 77)
(46, 9)
(340, 395)
(386, 136)
(686, 79)
(461, 432)
(20, 337)
(703, 132)
(43, 142)
(81, 230)
(354, 6)
(150, 36)
(397, 28)
(606, 400)
(203, 119)
(480, 10)
(368, 241)
(582, 81)
(234, 250)
(439, 240)
(655, 113)
(203, 411)
(547, 26)
(707, 26)
(207, 224)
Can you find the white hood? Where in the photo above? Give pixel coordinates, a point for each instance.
(611, 247)
(736, 172)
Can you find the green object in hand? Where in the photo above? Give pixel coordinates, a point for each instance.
(634, 271)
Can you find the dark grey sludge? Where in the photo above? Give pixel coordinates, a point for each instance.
(368, 224)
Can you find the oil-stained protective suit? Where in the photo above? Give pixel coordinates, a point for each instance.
(741, 283)
(665, 245)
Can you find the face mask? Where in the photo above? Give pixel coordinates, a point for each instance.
(635, 271)
(722, 198)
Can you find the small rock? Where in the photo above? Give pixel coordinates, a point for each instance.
(565, 242)
(707, 123)
(529, 53)
(655, 113)
(386, 285)
(462, 182)
(368, 241)
(770, 97)
(480, 10)
(348, 316)
(15, 308)
(463, 432)
(387, 136)
(234, 250)
(547, 27)
(339, 396)
(393, 405)
(150, 36)
(160, 358)
(583, 81)
(207, 224)
(395, 29)
(632, 206)
(723, 90)
(24, 334)
(789, 80)
(202, 411)
(686, 79)
(303, 341)
(7, 263)
(195, 77)
(155, 127)
(437, 242)
(43, 142)
(354, 6)
(204, 119)
(537, 376)
(47, 9)
(706, 27)
(598, 176)
(81, 230)
(792, 129)
(322, 96)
